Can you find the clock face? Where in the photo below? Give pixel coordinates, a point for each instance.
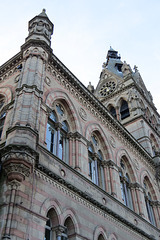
(107, 88)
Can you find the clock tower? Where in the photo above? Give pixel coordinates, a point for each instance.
(123, 92)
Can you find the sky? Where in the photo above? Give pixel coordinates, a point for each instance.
(84, 30)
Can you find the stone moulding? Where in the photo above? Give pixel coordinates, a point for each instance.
(102, 209)
(19, 152)
(18, 161)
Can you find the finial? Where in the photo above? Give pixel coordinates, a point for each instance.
(135, 68)
(44, 10)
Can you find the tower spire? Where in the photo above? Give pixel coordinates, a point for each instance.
(40, 28)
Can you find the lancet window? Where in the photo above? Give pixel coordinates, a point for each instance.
(96, 171)
(2, 115)
(124, 110)
(148, 201)
(54, 231)
(125, 184)
(112, 110)
(57, 133)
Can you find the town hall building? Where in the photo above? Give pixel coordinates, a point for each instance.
(76, 163)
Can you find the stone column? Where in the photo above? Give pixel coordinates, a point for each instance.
(70, 149)
(117, 113)
(77, 140)
(114, 176)
(133, 194)
(58, 127)
(140, 199)
(155, 206)
(60, 231)
(106, 175)
(13, 188)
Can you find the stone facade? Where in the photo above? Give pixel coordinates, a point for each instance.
(76, 163)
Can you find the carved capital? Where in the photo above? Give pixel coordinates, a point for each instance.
(17, 161)
(59, 230)
(109, 163)
(16, 170)
(19, 152)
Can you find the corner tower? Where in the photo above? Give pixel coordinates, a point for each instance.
(125, 95)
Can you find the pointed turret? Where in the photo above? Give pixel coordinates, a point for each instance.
(40, 28)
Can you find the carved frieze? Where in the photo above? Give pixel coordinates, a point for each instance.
(19, 152)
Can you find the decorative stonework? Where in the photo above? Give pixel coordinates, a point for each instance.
(47, 81)
(136, 164)
(19, 153)
(17, 79)
(112, 142)
(83, 114)
(16, 170)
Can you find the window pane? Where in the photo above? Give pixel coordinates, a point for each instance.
(94, 140)
(50, 137)
(53, 117)
(60, 109)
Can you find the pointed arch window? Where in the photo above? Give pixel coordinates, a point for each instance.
(51, 133)
(48, 230)
(101, 237)
(124, 110)
(2, 120)
(57, 133)
(112, 110)
(2, 114)
(96, 171)
(125, 185)
(154, 145)
(148, 202)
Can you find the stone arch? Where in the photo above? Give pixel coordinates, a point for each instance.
(122, 153)
(7, 93)
(57, 94)
(94, 127)
(70, 218)
(49, 204)
(120, 99)
(113, 236)
(145, 175)
(112, 109)
(99, 233)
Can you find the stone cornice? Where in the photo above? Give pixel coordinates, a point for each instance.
(96, 203)
(11, 63)
(37, 43)
(18, 127)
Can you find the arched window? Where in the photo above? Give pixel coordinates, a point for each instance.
(100, 237)
(48, 230)
(148, 201)
(54, 231)
(124, 110)
(112, 110)
(2, 114)
(154, 145)
(125, 184)
(57, 133)
(69, 229)
(96, 171)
